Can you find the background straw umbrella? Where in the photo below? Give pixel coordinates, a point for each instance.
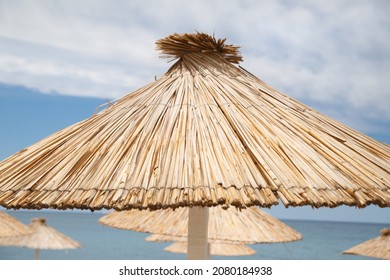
(378, 247)
(205, 133)
(231, 225)
(9, 226)
(227, 226)
(215, 249)
(42, 237)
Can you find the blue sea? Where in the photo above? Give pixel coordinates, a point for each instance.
(321, 240)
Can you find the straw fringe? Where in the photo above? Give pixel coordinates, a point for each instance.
(205, 133)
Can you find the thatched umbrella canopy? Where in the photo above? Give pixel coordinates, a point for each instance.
(43, 237)
(232, 225)
(9, 226)
(206, 133)
(378, 247)
(215, 249)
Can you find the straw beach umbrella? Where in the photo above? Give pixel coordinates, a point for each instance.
(248, 226)
(9, 226)
(43, 237)
(215, 249)
(378, 247)
(207, 132)
(228, 226)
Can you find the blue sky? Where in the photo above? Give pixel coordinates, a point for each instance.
(60, 59)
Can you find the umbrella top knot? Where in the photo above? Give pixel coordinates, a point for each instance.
(179, 45)
(385, 232)
(40, 221)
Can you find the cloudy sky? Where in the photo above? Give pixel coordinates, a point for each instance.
(333, 55)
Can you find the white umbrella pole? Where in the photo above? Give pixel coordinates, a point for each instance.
(198, 218)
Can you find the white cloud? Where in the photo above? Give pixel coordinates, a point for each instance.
(333, 52)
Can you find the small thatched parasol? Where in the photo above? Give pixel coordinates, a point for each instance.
(43, 237)
(248, 226)
(378, 247)
(215, 249)
(9, 226)
(206, 133)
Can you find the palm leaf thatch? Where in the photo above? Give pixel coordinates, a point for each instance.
(251, 225)
(378, 247)
(9, 226)
(206, 133)
(216, 249)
